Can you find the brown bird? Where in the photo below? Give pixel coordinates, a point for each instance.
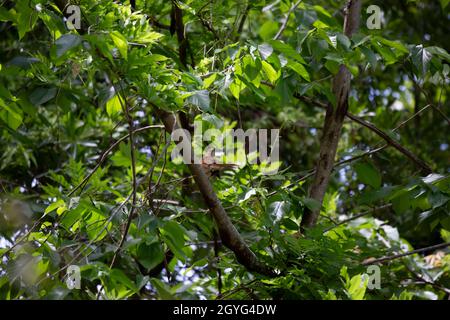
(211, 165)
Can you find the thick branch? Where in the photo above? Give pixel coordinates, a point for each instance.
(177, 26)
(334, 120)
(228, 233)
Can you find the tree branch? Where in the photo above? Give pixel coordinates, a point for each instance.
(286, 20)
(362, 214)
(401, 255)
(129, 118)
(242, 21)
(228, 233)
(426, 169)
(104, 155)
(208, 26)
(420, 163)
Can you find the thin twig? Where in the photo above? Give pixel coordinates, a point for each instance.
(420, 163)
(242, 21)
(286, 20)
(365, 213)
(422, 280)
(426, 169)
(401, 255)
(105, 154)
(134, 181)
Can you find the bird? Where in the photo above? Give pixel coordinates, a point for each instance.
(211, 165)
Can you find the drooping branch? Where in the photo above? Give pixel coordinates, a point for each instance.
(334, 120)
(425, 168)
(359, 215)
(228, 233)
(390, 142)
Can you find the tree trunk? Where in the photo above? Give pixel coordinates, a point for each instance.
(334, 120)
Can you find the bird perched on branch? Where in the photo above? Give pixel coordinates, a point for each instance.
(212, 166)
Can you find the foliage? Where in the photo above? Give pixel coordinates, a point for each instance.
(69, 99)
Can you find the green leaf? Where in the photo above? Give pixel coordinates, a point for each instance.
(235, 88)
(368, 174)
(55, 205)
(332, 66)
(164, 291)
(370, 55)
(71, 217)
(121, 43)
(401, 204)
(360, 40)
(445, 235)
(65, 43)
(97, 225)
(118, 276)
(357, 288)
(53, 23)
(270, 71)
(440, 52)
(421, 58)
(344, 273)
(252, 68)
(311, 204)
(265, 50)
(26, 17)
(200, 99)
(320, 24)
(173, 235)
(268, 30)
(287, 50)
(11, 114)
(150, 255)
(290, 224)
(344, 41)
(209, 81)
(393, 44)
(114, 105)
(437, 199)
(387, 54)
(300, 69)
(23, 62)
(42, 95)
(149, 37)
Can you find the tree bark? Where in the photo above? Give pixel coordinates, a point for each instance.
(334, 120)
(228, 233)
